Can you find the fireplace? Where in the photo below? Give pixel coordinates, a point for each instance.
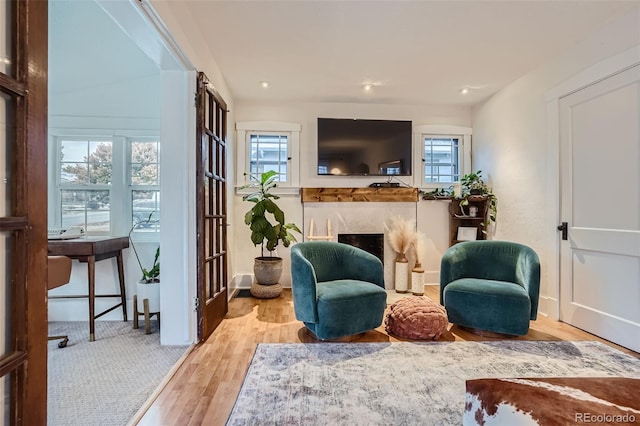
(372, 243)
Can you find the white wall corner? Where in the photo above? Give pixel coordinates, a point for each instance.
(241, 282)
(548, 307)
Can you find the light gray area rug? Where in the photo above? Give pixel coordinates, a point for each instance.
(104, 382)
(400, 383)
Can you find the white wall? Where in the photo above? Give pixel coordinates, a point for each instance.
(432, 216)
(510, 146)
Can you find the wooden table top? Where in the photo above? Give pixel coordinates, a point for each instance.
(87, 246)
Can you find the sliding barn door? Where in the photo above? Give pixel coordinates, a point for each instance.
(600, 188)
(23, 221)
(211, 195)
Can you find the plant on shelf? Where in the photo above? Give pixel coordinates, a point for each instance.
(474, 186)
(268, 235)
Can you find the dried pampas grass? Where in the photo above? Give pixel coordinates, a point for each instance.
(402, 235)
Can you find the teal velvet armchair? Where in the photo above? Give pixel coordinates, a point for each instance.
(338, 289)
(490, 285)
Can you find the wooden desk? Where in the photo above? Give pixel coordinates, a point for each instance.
(91, 250)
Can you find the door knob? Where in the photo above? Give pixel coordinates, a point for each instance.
(565, 230)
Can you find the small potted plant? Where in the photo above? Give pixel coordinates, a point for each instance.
(148, 287)
(473, 186)
(267, 234)
(438, 194)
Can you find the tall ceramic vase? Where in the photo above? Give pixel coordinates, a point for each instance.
(417, 280)
(402, 273)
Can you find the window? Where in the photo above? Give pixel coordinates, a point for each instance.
(269, 146)
(106, 184)
(442, 154)
(269, 151)
(144, 182)
(86, 174)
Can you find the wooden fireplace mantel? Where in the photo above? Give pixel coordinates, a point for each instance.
(315, 195)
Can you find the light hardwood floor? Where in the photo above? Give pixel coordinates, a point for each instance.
(204, 388)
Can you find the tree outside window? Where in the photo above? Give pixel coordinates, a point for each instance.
(86, 170)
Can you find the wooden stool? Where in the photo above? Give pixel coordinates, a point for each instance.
(146, 313)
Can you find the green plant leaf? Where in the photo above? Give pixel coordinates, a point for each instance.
(260, 224)
(267, 177)
(257, 237)
(253, 197)
(260, 207)
(248, 217)
(293, 227)
(278, 215)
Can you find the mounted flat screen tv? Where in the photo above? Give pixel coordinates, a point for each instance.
(350, 147)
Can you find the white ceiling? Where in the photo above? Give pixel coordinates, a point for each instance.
(414, 52)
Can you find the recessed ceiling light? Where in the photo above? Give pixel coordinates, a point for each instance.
(264, 84)
(367, 87)
(464, 90)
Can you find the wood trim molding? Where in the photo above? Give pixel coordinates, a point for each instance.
(314, 195)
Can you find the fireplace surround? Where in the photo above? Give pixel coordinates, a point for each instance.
(360, 211)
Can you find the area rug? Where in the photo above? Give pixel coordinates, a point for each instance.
(400, 383)
(104, 382)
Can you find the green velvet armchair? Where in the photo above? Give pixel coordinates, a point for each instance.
(490, 285)
(338, 289)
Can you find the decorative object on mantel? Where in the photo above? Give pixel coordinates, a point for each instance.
(401, 236)
(146, 301)
(267, 269)
(312, 237)
(417, 273)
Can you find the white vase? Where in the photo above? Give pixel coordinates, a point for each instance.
(150, 291)
(402, 276)
(417, 280)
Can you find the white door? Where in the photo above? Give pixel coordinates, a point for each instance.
(600, 201)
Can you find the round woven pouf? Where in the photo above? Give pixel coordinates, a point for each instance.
(266, 291)
(418, 318)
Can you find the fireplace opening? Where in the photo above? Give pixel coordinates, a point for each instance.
(372, 243)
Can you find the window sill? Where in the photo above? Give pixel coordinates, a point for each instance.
(278, 190)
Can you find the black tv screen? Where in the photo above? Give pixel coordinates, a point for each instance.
(364, 147)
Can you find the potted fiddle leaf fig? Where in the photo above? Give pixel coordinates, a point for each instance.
(268, 227)
(148, 287)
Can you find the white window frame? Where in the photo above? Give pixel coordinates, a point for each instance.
(56, 202)
(420, 132)
(140, 236)
(292, 130)
(120, 213)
